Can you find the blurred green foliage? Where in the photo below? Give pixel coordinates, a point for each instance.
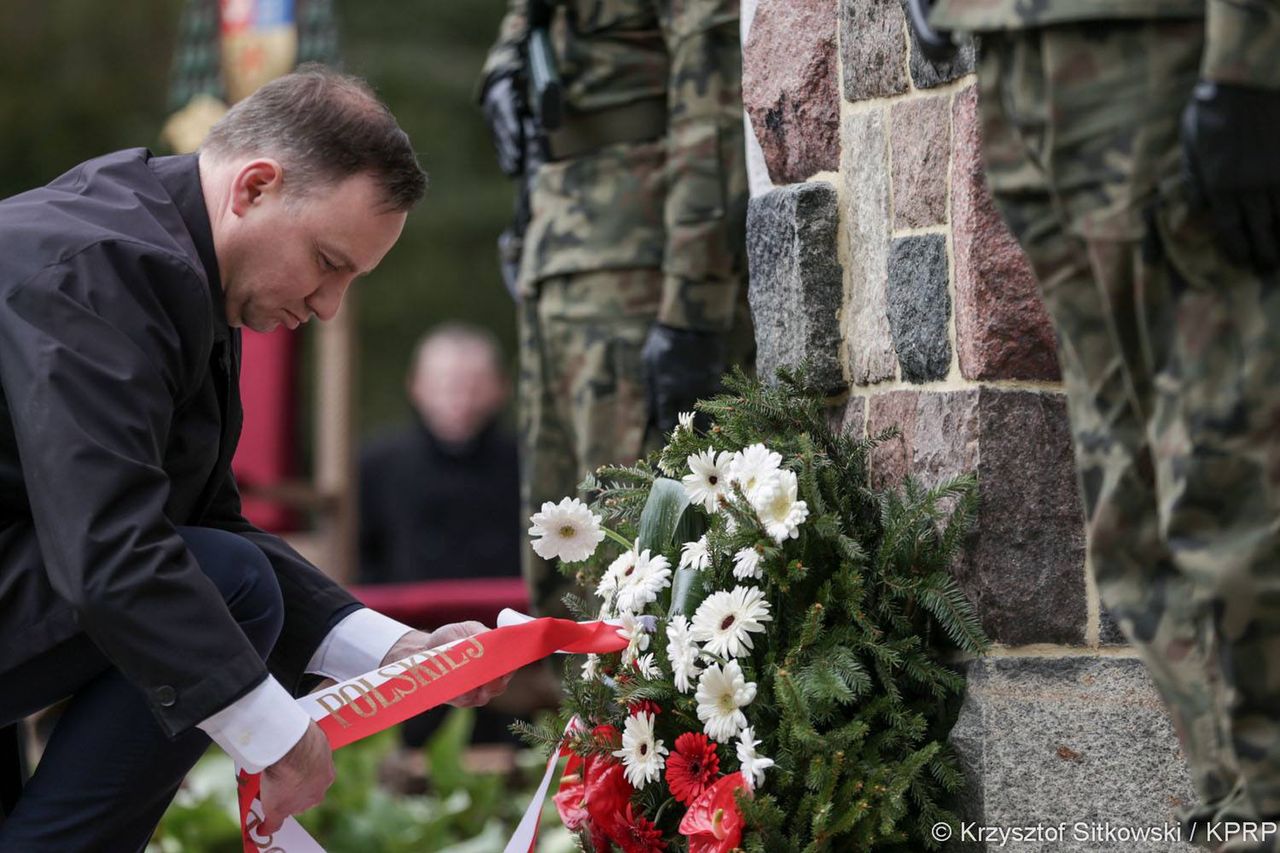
(79, 78)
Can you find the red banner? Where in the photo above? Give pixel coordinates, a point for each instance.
(391, 694)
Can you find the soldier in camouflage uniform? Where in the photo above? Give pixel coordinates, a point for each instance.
(1131, 145)
(629, 280)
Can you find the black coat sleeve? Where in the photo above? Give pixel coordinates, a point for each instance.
(313, 602)
(94, 353)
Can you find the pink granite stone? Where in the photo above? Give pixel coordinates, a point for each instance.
(790, 89)
(919, 133)
(1002, 328)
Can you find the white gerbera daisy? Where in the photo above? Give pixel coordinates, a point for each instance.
(753, 764)
(568, 530)
(642, 756)
(777, 508)
(682, 652)
(695, 554)
(725, 621)
(684, 421)
(752, 466)
(721, 696)
(640, 584)
(646, 667)
(746, 564)
(633, 630)
(609, 582)
(708, 478)
(591, 667)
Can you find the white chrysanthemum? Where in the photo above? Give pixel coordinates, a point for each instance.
(642, 756)
(746, 564)
(646, 667)
(633, 631)
(684, 421)
(708, 478)
(725, 621)
(568, 530)
(752, 466)
(721, 696)
(695, 554)
(682, 652)
(640, 584)
(777, 508)
(591, 667)
(753, 764)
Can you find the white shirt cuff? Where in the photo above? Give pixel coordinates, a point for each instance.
(356, 645)
(257, 729)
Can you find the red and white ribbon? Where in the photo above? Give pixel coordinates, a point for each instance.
(391, 694)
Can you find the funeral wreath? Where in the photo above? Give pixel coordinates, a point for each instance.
(790, 676)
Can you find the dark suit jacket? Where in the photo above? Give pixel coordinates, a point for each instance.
(119, 417)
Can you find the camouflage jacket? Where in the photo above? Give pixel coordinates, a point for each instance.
(677, 202)
(1243, 38)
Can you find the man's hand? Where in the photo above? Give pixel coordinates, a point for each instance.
(681, 367)
(297, 781)
(1229, 139)
(418, 641)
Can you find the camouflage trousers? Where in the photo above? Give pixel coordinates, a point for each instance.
(1171, 361)
(583, 398)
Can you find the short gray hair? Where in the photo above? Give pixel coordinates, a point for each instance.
(323, 127)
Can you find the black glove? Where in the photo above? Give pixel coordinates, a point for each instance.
(681, 367)
(504, 110)
(1231, 149)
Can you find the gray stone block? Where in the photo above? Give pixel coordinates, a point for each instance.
(926, 74)
(864, 166)
(795, 280)
(920, 307)
(1109, 633)
(873, 49)
(1080, 741)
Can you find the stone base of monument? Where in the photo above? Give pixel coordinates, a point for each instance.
(1076, 748)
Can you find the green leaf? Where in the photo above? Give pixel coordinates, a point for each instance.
(664, 523)
(446, 747)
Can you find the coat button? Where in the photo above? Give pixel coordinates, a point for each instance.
(166, 696)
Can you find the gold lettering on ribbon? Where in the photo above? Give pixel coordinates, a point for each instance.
(354, 701)
(477, 651)
(338, 702)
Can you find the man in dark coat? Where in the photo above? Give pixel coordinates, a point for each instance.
(129, 580)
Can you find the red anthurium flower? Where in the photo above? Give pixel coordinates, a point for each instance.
(608, 793)
(713, 823)
(692, 767)
(571, 798)
(636, 833)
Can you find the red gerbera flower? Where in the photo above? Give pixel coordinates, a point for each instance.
(636, 833)
(713, 823)
(692, 767)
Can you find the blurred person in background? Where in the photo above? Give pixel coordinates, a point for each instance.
(440, 497)
(440, 500)
(623, 121)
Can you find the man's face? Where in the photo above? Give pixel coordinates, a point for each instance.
(457, 389)
(284, 259)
